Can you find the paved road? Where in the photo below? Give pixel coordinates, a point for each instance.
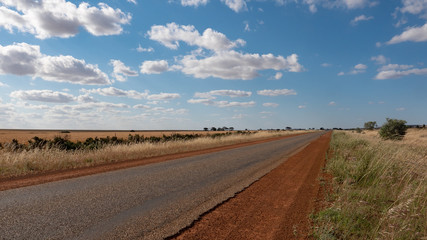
(147, 202)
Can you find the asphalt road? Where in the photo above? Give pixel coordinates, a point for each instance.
(148, 202)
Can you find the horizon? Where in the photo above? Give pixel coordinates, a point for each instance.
(189, 64)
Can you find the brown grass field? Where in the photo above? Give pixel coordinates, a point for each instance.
(81, 135)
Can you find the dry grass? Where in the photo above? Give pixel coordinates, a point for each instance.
(74, 135)
(380, 188)
(36, 161)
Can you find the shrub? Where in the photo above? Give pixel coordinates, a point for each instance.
(370, 125)
(393, 129)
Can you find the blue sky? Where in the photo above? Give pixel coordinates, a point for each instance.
(189, 64)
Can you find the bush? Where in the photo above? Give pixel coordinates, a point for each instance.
(393, 129)
(370, 125)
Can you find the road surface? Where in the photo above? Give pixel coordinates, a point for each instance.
(147, 202)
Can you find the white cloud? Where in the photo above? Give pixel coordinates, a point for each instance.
(163, 96)
(400, 109)
(133, 1)
(221, 104)
(227, 93)
(141, 106)
(341, 74)
(359, 68)
(141, 49)
(239, 116)
(360, 18)
(86, 99)
(43, 96)
(171, 34)
(332, 103)
(247, 28)
(380, 59)
(412, 34)
(154, 67)
(236, 5)
(115, 92)
(3, 85)
(301, 106)
(270, 105)
(277, 92)
(394, 67)
(326, 64)
(278, 75)
(26, 59)
(59, 18)
(193, 3)
(416, 7)
(121, 71)
(390, 74)
(235, 65)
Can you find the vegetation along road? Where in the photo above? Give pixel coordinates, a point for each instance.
(146, 202)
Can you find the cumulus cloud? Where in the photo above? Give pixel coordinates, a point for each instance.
(380, 59)
(416, 7)
(59, 18)
(302, 106)
(270, 105)
(115, 92)
(236, 5)
(121, 71)
(43, 96)
(193, 3)
(163, 96)
(277, 92)
(236, 65)
(360, 18)
(390, 73)
(227, 93)
(358, 68)
(332, 103)
(154, 67)
(278, 75)
(171, 34)
(221, 104)
(26, 59)
(411, 34)
(141, 49)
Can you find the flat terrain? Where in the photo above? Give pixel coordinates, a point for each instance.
(148, 202)
(75, 135)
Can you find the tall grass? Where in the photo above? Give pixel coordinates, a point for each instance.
(379, 190)
(43, 160)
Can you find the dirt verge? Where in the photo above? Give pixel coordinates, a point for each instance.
(275, 207)
(28, 180)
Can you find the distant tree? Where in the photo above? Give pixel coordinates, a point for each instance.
(205, 129)
(370, 125)
(322, 128)
(358, 130)
(231, 128)
(393, 129)
(213, 128)
(288, 128)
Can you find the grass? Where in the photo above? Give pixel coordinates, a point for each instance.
(19, 163)
(379, 188)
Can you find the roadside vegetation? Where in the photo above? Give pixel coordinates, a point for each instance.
(379, 187)
(43, 155)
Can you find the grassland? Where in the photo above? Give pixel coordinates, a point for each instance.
(30, 161)
(379, 188)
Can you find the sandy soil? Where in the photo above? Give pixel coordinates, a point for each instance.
(275, 207)
(24, 135)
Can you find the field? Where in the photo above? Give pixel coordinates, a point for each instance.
(379, 188)
(75, 135)
(24, 161)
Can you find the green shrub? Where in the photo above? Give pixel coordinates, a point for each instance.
(393, 129)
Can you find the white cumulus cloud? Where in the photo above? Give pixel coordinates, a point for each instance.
(221, 104)
(360, 18)
(193, 3)
(26, 59)
(115, 92)
(43, 96)
(227, 93)
(154, 67)
(277, 92)
(121, 71)
(171, 34)
(412, 34)
(236, 5)
(380, 59)
(270, 105)
(60, 18)
(236, 65)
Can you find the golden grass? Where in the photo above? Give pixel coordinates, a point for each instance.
(380, 188)
(74, 135)
(36, 161)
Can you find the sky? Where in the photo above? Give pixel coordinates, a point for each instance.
(190, 64)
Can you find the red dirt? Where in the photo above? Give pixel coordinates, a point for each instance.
(28, 180)
(275, 207)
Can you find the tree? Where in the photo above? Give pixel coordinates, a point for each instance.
(370, 125)
(393, 129)
(205, 129)
(213, 128)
